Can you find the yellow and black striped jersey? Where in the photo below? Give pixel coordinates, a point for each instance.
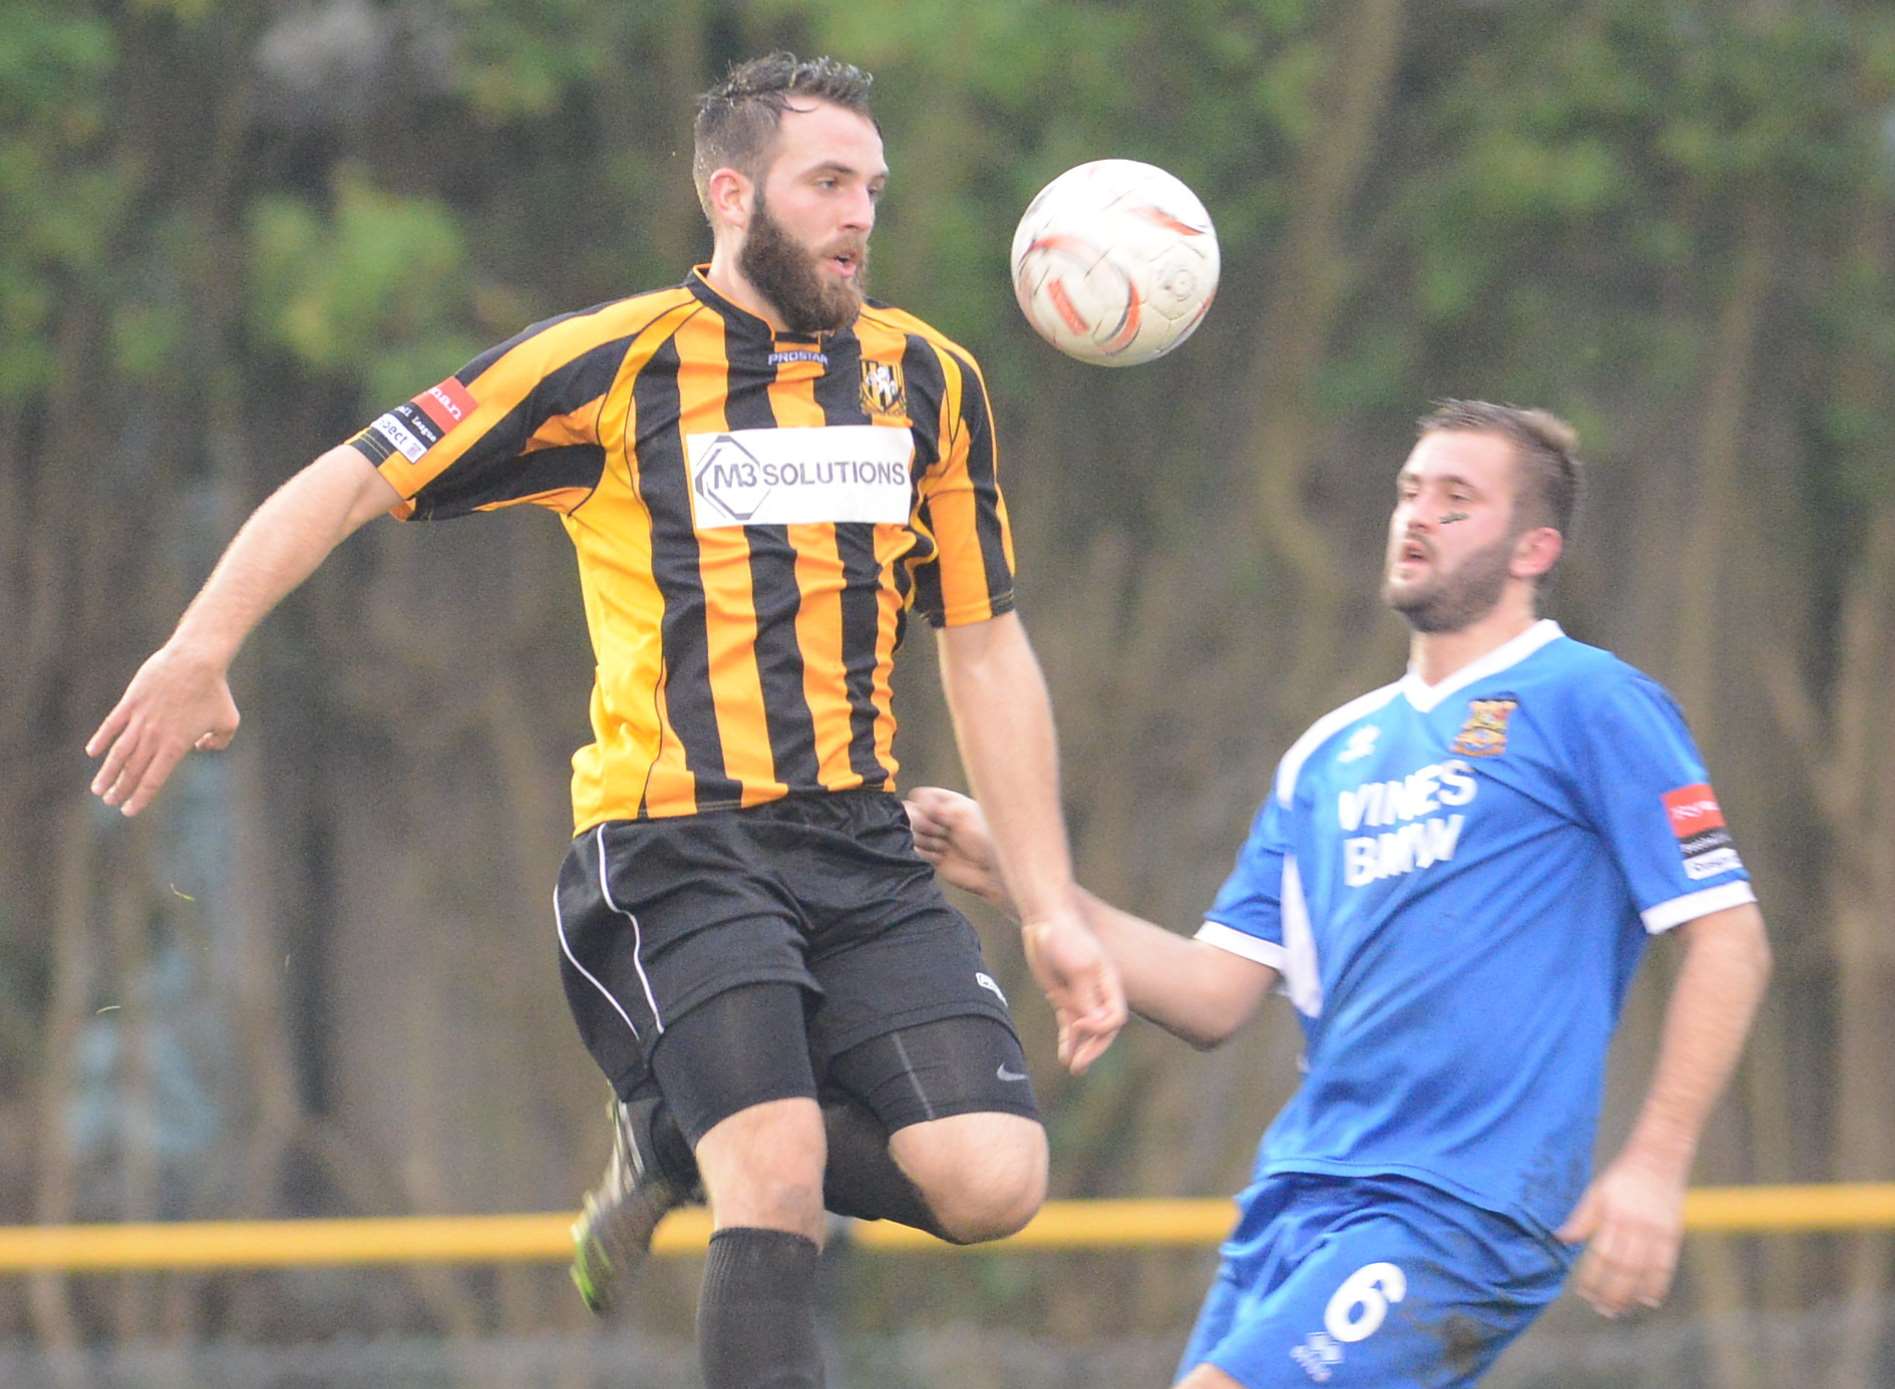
(754, 513)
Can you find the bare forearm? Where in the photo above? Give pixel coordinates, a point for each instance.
(1003, 722)
(180, 697)
(1727, 964)
(281, 545)
(1192, 990)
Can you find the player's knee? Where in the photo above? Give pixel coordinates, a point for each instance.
(763, 1168)
(1000, 1208)
(768, 1199)
(987, 1190)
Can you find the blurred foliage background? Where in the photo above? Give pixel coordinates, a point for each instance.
(319, 977)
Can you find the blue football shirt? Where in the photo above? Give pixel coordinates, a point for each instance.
(1456, 882)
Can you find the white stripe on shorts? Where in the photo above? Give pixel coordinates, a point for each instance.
(638, 938)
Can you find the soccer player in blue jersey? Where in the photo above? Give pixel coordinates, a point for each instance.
(1453, 878)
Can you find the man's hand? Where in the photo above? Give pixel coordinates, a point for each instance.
(1070, 966)
(951, 833)
(1632, 1218)
(1081, 983)
(1633, 1215)
(176, 702)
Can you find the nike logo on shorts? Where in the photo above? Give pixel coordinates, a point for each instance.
(1004, 1074)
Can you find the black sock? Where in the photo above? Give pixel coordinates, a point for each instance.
(862, 1178)
(756, 1318)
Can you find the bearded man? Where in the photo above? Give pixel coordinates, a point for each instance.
(1452, 878)
(762, 472)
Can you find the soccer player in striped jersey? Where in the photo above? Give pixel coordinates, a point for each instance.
(762, 472)
(1453, 879)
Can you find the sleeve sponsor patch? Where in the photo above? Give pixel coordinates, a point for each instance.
(1698, 822)
(415, 426)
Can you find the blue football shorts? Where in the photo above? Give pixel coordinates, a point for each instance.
(1373, 1281)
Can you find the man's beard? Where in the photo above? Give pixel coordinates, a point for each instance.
(789, 275)
(1450, 602)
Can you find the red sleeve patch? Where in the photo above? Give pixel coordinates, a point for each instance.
(1693, 810)
(415, 426)
(447, 404)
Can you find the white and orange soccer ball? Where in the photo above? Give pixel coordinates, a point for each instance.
(1115, 262)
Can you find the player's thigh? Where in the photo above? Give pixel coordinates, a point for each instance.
(902, 980)
(886, 948)
(654, 918)
(962, 1122)
(1397, 1294)
(913, 1025)
(918, 1074)
(736, 1074)
(737, 1050)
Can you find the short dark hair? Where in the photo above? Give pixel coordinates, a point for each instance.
(1544, 444)
(737, 119)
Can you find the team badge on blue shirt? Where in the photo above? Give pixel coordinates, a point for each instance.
(1485, 732)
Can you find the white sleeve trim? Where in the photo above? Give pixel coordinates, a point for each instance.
(1243, 943)
(1693, 905)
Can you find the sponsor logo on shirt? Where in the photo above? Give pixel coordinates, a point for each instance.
(415, 426)
(1698, 822)
(882, 390)
(1693, 810)
(1485, 732)
(1361, 743)
(785, 356)
(1413, 834)
(447, 404)
(782, 477)
(398, 438)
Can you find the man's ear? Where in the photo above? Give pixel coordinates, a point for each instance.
(1537, 551)
(730, 196)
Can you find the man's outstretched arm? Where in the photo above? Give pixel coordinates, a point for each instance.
(1003, 722)
(1632, 1216)
(1192, 990)
(180, 698)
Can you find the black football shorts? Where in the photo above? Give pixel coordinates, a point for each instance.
(825, 892)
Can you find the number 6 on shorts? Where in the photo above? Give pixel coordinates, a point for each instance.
(1361, 1301)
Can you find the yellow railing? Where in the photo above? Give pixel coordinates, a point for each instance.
(493, 1239)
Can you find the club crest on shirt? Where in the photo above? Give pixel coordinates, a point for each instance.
(883, 392)
(1485, 732)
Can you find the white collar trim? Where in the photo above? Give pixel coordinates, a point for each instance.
(1426, 697)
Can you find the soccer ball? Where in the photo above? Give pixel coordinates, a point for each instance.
(1115, 262)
